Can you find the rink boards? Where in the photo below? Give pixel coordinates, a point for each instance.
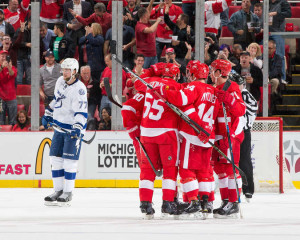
(109, 161)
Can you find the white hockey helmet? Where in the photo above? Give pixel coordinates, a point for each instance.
(70, 63)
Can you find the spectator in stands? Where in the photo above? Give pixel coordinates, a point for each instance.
(52, 12)
(225, 54)
(128, 42)
(46, 35)
(8, 74)
(211, 48)
(94, 48)
(22, 122)
(12, 48)
(105, 122)
(181, 33)
(75, 29)
(145, 37)
(278, 11)
(23, 59)
(189, 8)
(138, 70)
(164, 33)
(5, 27)
(244, 24)
(93, 90)
(258, 11)
(275, 68)
(213, 9)
(49, 73)
(15, 13)
(236, 52)
(62, 45)
(107, 74)
(253, 2)
(251, 73)
(99, 16)
(130, 13)
(255, 55)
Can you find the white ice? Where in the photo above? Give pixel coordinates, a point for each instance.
(106, 214)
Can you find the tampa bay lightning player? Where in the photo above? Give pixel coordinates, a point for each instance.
(68, 115)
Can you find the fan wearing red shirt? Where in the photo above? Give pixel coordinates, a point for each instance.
(107, 74)
(8, 74)
(145, 37)
(14, 14)
(100, 16)
(164, 34)
(22, 122)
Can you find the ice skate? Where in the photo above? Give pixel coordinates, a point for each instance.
(65, 199)
(51, 200)
(147, 210)
(181, 205)
(207, 208)
(204, 203)
(169, 208)
(192, 211)
(231, 210)
(223, 204)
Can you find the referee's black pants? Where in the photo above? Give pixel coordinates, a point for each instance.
(246, 163)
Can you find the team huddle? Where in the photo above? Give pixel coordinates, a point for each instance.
(175, 147)
(162, 138)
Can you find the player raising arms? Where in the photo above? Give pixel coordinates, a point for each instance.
(68, 114)
(198, 101)
(235, 109)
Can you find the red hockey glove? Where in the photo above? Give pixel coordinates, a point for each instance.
(202, 136)
(226, 98)
(161, 90)
(133, 132)
(224, 145)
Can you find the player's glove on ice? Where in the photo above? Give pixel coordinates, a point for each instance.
(47, 121)
(133, 132)
(76, 131)
(203, 136)
(226, 98)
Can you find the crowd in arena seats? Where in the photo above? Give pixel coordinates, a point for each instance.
(152, 32)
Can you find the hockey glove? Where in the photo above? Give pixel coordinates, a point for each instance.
(76, 132)
(47, 121)
(202, 136)
(226, 98)
(161, 90)
(133, 132)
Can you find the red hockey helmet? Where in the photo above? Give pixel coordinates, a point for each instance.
(171, 70)
(157, 69)
(222, 65)
(200, 70)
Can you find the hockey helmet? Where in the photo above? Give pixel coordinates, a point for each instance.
(171, 70)
(222, 65)
(70, 63)
(200, 70)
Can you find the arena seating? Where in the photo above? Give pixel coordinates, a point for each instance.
(5, 128)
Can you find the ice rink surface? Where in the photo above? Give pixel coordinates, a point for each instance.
(103, 213)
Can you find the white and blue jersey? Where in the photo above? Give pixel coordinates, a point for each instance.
(69, 105)
(68, 108)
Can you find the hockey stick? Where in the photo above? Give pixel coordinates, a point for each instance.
(108, 92)
(65, 131)
(182, 115)
(225, 87)
(158, 173)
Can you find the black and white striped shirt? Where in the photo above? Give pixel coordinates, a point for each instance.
(251, 109)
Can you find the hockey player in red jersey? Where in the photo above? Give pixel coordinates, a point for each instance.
(198, 101)
(235, 109)
(159, 135)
